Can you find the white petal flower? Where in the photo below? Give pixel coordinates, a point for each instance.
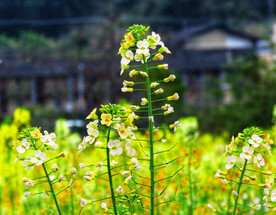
(93, 124)
(247, 152)
(83, 202)
(93, 132)
(124, 61)
(259, 160)
(126, 173)
(99, 144)
(27, 194)
(29, 183)
(273, 195)
(52, 177)
(103, 205)
(22, 148)
(113, 163)
(120, 189)
(82, 165)
(174, 125)
(255, 140)
(129, 55)
(115, 148)
(39, 157)
(143, 47)
(231, 162)
(131, 152)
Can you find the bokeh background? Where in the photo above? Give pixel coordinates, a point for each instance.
(58, 59)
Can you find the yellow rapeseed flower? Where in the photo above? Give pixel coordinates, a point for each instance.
(106, 119)
(129, 37)
(36, 134)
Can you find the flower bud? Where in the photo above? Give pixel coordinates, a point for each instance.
(24, 179)
(82, 165)
(164, 49)
(169, 111)
(144, 74)
(99, 164)
(87, 178)
(55, 167)
(128, 83)
(235, 194)
(154, 84)
(173, 97)
(90, 175)
(162, 66)
(253, 178)
(151, 118)
(133, 72)
(127, 89)
(134, 107)
(93, 114)
(170, 78)
(246, 180)
(210, 207)
(61, 178)
(62, 154)
(158, 56)
(266, 172)
(126, 173)
(166, 106)
(160, 90)
(74, 171)
(28, 194)
(144, 101)
(127, 180)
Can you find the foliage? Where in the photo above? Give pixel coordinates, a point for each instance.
(252, 80)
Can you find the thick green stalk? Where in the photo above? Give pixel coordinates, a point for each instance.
(191, 212)
(52, 189)
(239, 187)
(50, 184)
(150, 138)
(109, 172)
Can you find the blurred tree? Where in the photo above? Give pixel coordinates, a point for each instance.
(253, 85)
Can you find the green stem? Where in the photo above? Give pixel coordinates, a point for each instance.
(150, 139)
(190, 180)
(109, 172)
(52, 189)
(50, 184)
(239, 188)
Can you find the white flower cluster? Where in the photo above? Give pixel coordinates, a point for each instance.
(122, 129)
(143, 49)
(41, 144)
(250, 152)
